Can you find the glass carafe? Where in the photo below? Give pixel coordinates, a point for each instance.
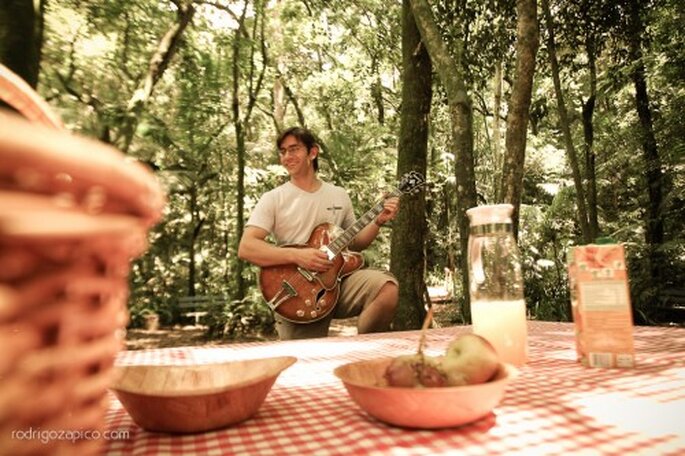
(498, 310)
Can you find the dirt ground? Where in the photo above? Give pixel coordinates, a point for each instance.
(183, 336)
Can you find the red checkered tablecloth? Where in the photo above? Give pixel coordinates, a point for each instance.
(555, 407)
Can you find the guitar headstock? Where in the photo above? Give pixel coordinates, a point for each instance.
(411, 182)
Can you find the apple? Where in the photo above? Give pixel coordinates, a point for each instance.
(470, 359)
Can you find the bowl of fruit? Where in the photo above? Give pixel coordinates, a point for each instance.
(430, 392)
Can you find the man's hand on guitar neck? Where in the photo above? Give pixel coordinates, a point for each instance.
(312, 259)
(390, 208)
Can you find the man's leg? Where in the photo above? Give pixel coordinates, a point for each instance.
(378, 314)
(288, 330)
(370, 294)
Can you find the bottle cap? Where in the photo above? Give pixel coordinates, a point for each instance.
(490, 214)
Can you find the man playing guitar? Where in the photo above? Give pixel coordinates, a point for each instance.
(291, 213)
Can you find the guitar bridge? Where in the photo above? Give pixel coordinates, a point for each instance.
(286, 292)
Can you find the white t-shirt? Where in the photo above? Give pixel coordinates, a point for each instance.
(290, 214)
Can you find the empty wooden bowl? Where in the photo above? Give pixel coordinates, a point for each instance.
(423, 408)
(197, 398)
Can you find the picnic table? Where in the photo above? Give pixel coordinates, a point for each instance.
(555, 406)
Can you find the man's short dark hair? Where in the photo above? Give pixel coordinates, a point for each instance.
(303, 135)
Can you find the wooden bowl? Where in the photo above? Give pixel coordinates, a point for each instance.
(186, 399)
(423, 408)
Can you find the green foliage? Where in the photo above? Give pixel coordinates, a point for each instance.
(488, 29)
(247, 319)
(341, 65)
(543, 254)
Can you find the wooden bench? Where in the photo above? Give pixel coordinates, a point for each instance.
(199, 306)
(672, 305)
(442, 293)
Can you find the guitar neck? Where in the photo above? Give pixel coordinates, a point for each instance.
(362, 222)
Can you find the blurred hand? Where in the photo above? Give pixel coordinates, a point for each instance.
(312, 259)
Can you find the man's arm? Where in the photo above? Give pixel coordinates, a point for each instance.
(369, 233)
(256, 250)
(365, 237)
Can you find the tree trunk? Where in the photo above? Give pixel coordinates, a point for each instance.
(254, 81)
(588, 133)
(278, 97)
(240, 152)
(241, 286)
(497, 161)
(40, 34)
(654, 233)
(293, 99)
(566, 127)
(519, 105)
(451, 75)
(19, 39)
(166, 49)
(407, 260)
(377, 92)
(278, 92)
(197, 227)
(323, 106)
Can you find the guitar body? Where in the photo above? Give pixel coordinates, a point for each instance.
(303, 296)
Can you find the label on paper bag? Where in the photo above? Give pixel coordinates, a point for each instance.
(601, 306)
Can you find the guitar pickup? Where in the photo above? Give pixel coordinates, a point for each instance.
(307, 275)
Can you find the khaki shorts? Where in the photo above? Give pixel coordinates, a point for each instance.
(356, 291)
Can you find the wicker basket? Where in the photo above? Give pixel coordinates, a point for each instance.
(73, 214)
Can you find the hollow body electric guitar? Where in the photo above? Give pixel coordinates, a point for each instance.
(303, 296)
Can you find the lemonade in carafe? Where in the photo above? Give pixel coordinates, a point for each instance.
(498, 310)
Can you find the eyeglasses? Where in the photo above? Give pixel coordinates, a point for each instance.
(295, 148)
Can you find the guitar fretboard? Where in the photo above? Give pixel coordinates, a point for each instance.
(345, 238)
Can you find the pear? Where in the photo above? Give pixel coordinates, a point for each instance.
(401, 372)
(470, 359)
(411, 371)
(431, 373)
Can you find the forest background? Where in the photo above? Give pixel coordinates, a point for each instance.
(573, 111)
